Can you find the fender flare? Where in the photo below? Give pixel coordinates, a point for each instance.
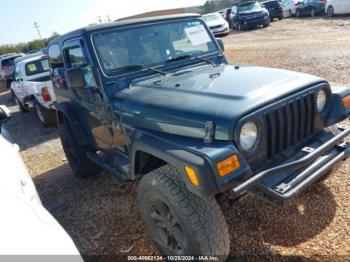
(178, 157)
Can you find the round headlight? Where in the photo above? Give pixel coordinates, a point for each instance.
(321, 100)
(248, 136)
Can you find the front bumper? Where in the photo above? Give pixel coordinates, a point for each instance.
(287, 180)
(255, 22)
(221, 30)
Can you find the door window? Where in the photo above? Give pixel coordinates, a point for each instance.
(75, 58)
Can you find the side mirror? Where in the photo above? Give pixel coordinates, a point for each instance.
(221, 44)
(75, 78)
(5, 114)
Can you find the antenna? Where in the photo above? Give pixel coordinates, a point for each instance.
(36, 26)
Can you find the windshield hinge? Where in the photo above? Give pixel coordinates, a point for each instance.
(209, 131)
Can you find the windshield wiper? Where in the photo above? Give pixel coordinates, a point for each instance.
(190, 57)
(137, 67)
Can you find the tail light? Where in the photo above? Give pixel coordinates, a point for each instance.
(45, 94)
(5, 68)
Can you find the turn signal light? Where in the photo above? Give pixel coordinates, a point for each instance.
(192, 176)
(228, 165)
(346, 101)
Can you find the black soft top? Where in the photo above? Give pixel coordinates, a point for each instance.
(81, 31)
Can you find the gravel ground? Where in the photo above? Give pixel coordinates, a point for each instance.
(100, 213)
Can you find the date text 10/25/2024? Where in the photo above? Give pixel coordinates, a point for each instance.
(173, 258)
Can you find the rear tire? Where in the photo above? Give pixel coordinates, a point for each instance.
(21, 107)
(179, 222)
(76, 154)
(46, 116)
(330, 11)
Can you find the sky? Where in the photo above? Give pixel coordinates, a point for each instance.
(61, 16)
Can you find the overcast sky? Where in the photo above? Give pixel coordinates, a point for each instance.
(18, 16)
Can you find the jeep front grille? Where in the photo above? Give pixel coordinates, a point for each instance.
(290, 125)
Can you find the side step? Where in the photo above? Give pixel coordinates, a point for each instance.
(105, 166)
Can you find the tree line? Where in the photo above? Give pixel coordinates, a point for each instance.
(36, 44)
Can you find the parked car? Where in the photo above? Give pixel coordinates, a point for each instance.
(190, 126)
(249, 14)
(275, 9)
(33, 88)
(216, 23)
(337, 7)
(310, 7)
(26, 227)
(7, 68)
(226, 15)
(289, 7)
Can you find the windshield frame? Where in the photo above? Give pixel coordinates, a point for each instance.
(140, 25)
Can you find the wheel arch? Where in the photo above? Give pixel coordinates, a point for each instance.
(67, 113)
(149, 152)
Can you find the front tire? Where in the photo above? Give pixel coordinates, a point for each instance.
(47, 117)
(76, 154)
(179, 222)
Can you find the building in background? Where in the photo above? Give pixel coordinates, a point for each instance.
(192, 9)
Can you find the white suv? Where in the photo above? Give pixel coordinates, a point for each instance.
(335, 7)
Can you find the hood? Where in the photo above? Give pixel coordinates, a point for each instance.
(181, 103)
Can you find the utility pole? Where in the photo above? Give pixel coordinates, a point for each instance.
(36, 26)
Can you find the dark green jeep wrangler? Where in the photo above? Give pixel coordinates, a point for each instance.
(155, 99)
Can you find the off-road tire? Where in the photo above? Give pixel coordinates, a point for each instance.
(46, 116)
(199, 220)
(81, 165)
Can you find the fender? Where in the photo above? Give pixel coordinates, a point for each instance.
(81, 132)
(338, 112)
(196, 154)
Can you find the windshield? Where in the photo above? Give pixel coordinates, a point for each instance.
(151, 45)
(211, 17)
(247, 8)
(37, 67)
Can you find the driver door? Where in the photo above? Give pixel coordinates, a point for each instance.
(89, 98)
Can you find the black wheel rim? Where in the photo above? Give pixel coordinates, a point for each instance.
(169, 231)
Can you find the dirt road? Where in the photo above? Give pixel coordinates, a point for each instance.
(100, 213)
